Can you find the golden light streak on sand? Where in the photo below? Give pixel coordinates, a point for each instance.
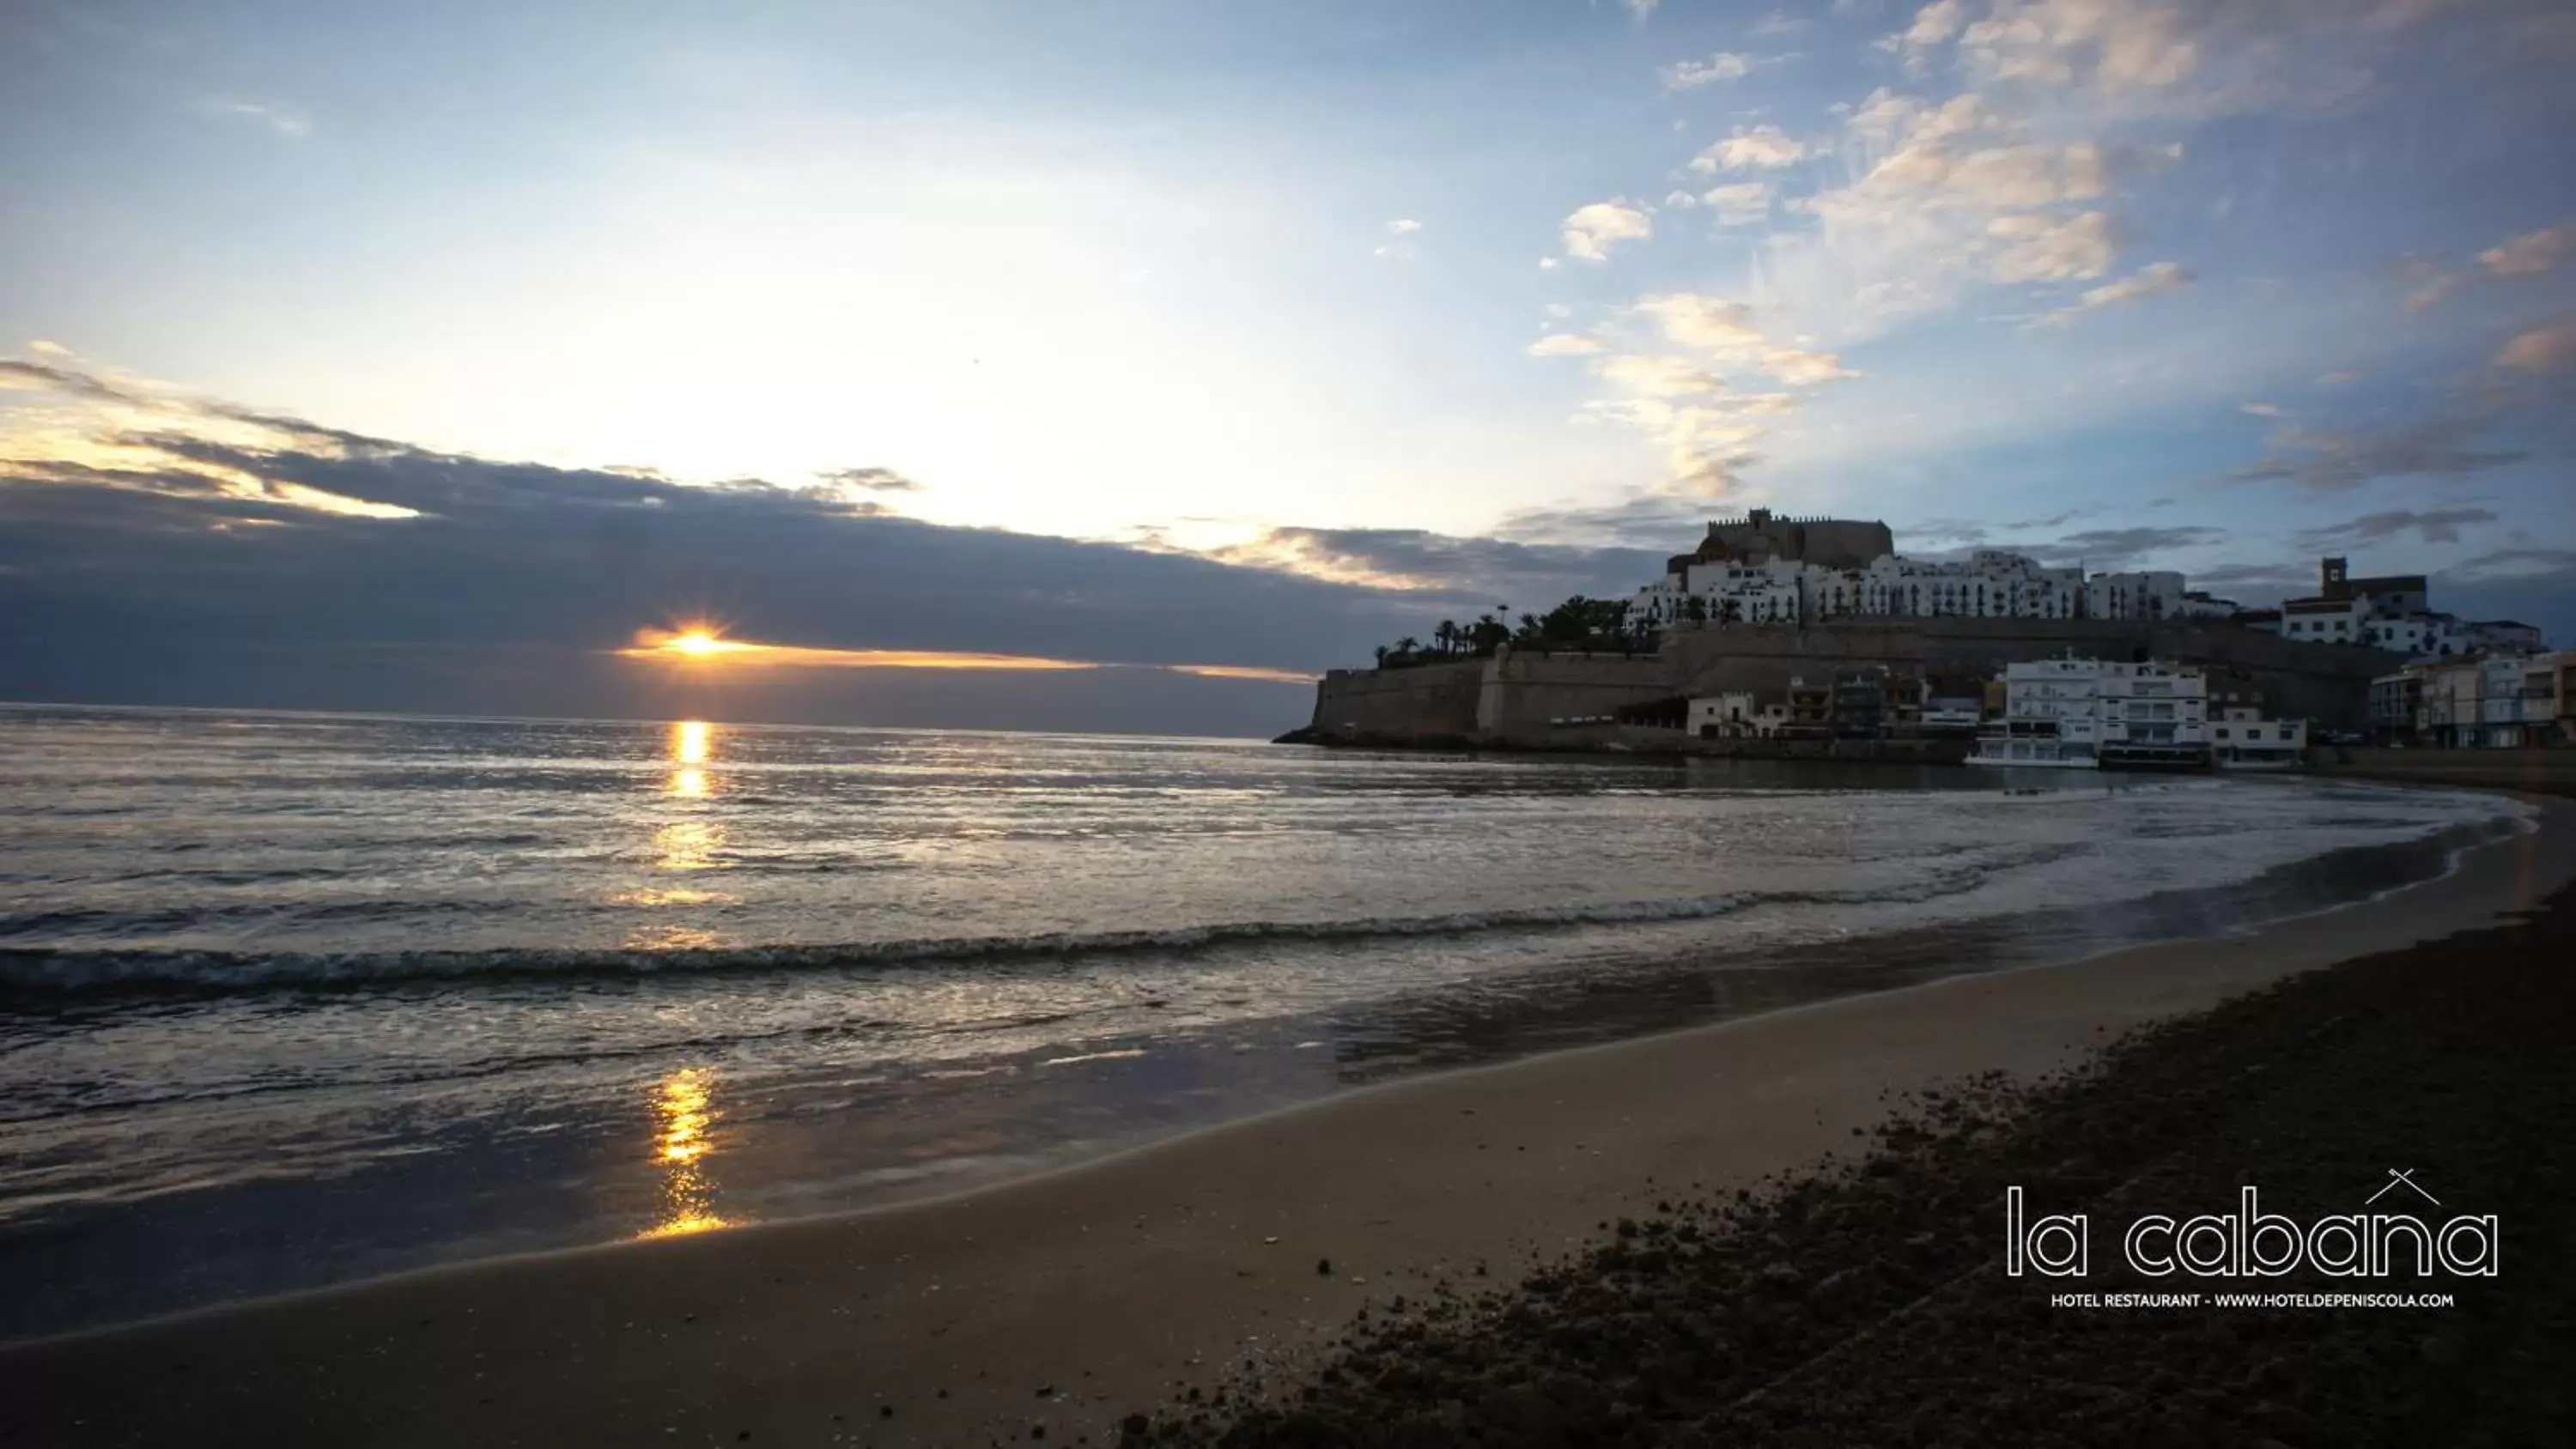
(684, 1120)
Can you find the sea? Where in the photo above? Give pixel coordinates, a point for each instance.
(289, 1000)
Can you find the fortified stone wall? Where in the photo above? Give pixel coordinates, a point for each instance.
(1523, 691)
(1424, 703)
(1513, 696)
(2325, 683)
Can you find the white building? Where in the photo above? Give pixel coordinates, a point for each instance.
(2154, 594)
(2423, 636)
(1989, 584)
(2326, 621)
(2242, 739)
(2085, 713)
(2392, 613)
(1731, 715)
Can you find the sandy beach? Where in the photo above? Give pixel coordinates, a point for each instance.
(1054, 1306)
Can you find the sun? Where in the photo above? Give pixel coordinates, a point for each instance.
(694, 642)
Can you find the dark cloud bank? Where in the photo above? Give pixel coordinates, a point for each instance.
(153, 585)
(194, 577)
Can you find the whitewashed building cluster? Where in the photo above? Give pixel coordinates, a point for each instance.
(1764, 569)
(2392, 612)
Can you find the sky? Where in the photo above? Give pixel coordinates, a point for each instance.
(443, 357)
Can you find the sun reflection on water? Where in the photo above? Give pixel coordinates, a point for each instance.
(689, 845)
(684, 1119)
(690, 739)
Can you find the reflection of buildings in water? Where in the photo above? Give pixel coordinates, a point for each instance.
(684, 1116)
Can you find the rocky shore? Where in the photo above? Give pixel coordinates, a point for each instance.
(1866, 1302)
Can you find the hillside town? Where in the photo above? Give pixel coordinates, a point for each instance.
(2027, 664)
(2467, 683)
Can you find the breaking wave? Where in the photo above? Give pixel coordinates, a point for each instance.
(65, 970)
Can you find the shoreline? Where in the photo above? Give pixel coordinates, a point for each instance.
(2454, 860)
(1165, 1241)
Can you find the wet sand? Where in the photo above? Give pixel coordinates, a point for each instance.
(1061, 1303)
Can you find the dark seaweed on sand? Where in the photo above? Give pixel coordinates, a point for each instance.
(1866, 1304)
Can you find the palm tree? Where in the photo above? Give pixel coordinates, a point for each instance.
(1729, 610)
(1408, 645)
(1381, 656)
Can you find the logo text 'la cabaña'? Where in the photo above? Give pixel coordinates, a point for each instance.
(2252, 1243)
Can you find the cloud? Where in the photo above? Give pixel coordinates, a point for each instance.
(1708, 441)
(2338, 378)
(2108, 48)
(1725, 330)
(1563, 344)
(1660, 376)
(1707, 428)
(2111, 548)
(1725, 65)
(1934, 25)
(2550, 348)
(2046, 248)
(1656, 524)
(2428, 280)
(2532, 253)
(2514, 563)
(176, 552)
(1403, 226)
(2337, 461)
(870, 480)
(2006, 156)
(2441, 525)
(1592, 230)
(1739, 203)
(1945, 197)
(1461, 572)
(1777, 23)
(1638, 10)
(2263, 409)
(292, 122)
(43, 348)
(1763, 148)
(2150, 281)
